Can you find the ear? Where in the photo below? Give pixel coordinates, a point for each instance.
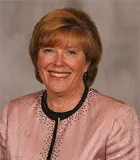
(86, 66)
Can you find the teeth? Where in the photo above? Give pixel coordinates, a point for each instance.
(59, 75)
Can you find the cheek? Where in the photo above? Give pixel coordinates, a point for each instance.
(79, 66)
(42, 62)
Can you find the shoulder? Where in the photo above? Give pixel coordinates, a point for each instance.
(115, 115)
(23, 103)
(109, 107)
(29, 98)
(105, 101)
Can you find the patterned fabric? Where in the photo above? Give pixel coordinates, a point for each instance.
(101, 129)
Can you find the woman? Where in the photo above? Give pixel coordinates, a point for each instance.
(69, 120)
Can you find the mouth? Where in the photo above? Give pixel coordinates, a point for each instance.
(59, 75)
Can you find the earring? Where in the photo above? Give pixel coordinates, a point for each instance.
(37, 74)
(85, 77)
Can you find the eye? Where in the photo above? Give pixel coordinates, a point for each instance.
(48, 50)
(71, 51)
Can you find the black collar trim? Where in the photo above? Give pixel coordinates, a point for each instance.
(62, 115)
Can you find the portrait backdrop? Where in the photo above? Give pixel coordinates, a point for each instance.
(118, 22)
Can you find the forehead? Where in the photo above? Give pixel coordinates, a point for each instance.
(63, 38)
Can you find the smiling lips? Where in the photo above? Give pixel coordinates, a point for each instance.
(59, 75)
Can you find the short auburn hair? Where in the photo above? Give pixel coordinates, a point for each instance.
(59, 27)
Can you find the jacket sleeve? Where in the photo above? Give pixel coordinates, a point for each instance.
(3, 133)
(124, 138)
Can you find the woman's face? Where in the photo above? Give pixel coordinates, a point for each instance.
(62, 69)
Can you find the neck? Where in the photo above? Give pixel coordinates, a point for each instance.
(64, 102)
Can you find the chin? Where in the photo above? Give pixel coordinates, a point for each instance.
(58, 88)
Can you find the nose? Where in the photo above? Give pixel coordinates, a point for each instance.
(59, 59)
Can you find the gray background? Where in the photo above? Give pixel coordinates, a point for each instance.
(119, 24)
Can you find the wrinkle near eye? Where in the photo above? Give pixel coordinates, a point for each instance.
(71, 51)
(48, 50)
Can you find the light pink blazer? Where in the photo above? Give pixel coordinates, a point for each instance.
(100, 128)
